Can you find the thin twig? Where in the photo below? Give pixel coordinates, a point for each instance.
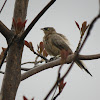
(36, 19)
(2, 72)
(28, 63)
(57, 81)
(51, 90)
(40, 61)
(55, 85)
(56, 96)
(3, 6)
(89, 31)
(26, 69)
(41, 56)
(54, 92)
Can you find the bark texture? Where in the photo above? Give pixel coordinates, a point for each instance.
(12, 75)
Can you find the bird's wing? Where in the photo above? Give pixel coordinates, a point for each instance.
(66, 40)
(60, 42)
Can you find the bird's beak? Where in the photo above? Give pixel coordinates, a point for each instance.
(42, 29)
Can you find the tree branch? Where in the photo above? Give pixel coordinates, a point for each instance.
(89, 57)
(70, 58)
(54, 63)
(25, 69)
(36, 19)
(3, 6)
(2, 72)
(5, 31)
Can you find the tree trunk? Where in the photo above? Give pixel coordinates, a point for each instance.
(13, 72)
(13, 68)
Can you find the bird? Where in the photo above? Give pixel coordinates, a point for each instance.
(55, 42)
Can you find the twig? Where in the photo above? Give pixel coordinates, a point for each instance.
(36, 19)
(5, 31)
(53, 98)
(56, 96)
(41, 56)
(55, 85)
(51, 90)
(28, 63)
(3, 6)
(89, 31)
(40, 61)
(26, 69)
(54, 93)
(2, 72)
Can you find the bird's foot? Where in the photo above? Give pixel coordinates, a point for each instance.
(54, 58)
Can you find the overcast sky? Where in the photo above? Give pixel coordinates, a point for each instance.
(62, 16)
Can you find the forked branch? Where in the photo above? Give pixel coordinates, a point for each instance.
(36, 19)
(5, 31)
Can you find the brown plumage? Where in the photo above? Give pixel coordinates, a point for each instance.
(55, 42)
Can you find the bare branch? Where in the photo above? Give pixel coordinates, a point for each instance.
(3, 6)
(26, 69)
(41, 56)
(89, 31)
(88, 57)
(36, 19)
(5, 31)
(40, 61)
(27, 63)
(2, 72)
(39, 68)
(55, 84)
(54, 63)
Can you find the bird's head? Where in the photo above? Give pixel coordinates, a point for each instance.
(48, 30)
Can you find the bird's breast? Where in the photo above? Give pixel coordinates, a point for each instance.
(50, 48)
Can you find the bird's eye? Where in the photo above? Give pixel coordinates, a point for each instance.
(47, 29)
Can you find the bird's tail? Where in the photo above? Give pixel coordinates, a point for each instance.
(81, 65)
